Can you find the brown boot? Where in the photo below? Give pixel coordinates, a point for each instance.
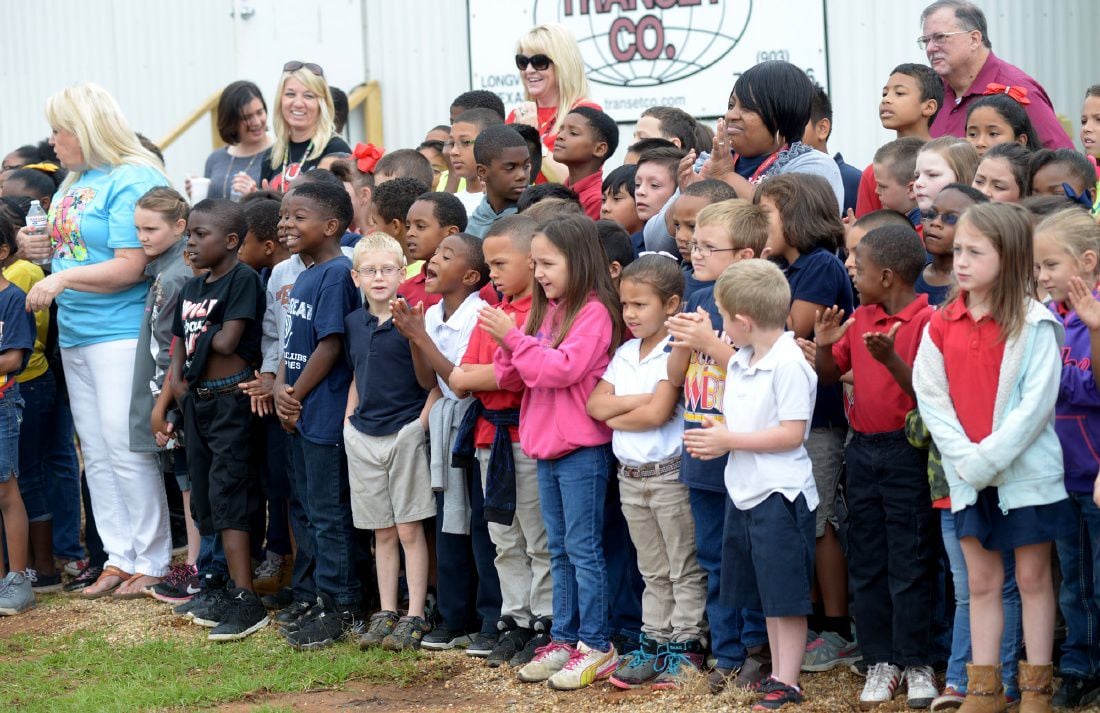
(984, 693)
(1035, 687)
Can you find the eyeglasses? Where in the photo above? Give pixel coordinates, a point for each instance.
(946, 218)
(704, 251)
(294, 65)
(370, 272)
(464, 143)
(938, 38)
(539, 61)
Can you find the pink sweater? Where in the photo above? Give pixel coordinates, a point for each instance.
(553, 420)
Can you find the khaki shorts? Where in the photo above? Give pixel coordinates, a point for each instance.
(825, 446)
(389, 478)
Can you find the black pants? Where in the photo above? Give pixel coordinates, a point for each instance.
(892, 548)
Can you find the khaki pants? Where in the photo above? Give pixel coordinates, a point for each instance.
(658, 514)
(523, 560)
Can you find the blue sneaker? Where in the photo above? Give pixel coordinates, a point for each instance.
(639, 666)
(16, 594)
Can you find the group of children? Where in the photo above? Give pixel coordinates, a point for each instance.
(586, 460)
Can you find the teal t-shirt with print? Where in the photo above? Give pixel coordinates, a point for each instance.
(88, 221)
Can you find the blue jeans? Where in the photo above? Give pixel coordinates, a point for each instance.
(1077, 556)
(960, 639)
(211, 559)
(39, 397)
(320, 472)
(572, 490)
(276, 487)
(63, 484)
(732, 631)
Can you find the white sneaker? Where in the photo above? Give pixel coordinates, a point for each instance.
(16, 594)
(585, 667)
(548, 660)
(920, 681)
(882, 684)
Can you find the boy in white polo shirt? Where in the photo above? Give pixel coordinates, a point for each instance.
(768, 542)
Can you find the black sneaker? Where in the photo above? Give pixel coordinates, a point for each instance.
(1072, 692)
(211, 589)
(512, 640)
(242, 614)
(441, 639)
(86, 578)
(380, 626)
(43, 583)
(408, 634)
(291, 613)
(181, 585)
(540, 636)
(483, 644)
(329, 625)
(778, 696)
(279, 600)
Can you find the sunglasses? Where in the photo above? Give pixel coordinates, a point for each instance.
(946, 218)
(294, 65)
(539, 61)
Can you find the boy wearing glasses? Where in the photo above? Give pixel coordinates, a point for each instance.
(384, 424)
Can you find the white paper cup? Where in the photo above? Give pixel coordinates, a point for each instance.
(200, 187)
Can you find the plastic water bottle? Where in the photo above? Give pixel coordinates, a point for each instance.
(38, 224)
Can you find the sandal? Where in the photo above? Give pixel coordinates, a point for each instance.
(137, 594)
(109, 571)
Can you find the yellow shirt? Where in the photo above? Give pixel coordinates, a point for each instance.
(25, 274)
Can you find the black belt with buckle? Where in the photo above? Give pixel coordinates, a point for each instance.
(228, 385)
(650, 470)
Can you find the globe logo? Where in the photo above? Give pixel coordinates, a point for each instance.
(645, 43)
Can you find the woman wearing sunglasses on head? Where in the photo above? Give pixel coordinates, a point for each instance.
(550, 65)
(304, 131)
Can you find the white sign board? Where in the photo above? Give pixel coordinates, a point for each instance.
(642, 53)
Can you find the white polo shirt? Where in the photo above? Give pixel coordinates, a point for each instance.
(453, 336)
(631, 375)
(780, 387)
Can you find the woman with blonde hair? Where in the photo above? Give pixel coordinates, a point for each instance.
(550, 65)
(99, 284)
(304, 129)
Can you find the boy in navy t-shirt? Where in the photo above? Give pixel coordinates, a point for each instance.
(311, 392)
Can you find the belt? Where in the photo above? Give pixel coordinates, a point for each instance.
(649, 470)
(212, 388)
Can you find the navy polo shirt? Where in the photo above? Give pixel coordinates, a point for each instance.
(819, 277)
(389, 395)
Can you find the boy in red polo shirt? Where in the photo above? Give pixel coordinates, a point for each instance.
(891, 523)
(509, 477)
(588, 137)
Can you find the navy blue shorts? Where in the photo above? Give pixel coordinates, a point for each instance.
(1020, 527)
(768, 557)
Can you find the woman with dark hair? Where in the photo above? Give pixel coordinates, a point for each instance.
(242, 125)
(761, 134)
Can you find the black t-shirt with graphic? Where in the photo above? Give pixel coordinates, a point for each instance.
(205, 306)
(291, 164)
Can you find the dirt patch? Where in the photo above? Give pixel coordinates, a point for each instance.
(120, 621)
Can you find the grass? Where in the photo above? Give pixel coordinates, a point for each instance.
(83, 672)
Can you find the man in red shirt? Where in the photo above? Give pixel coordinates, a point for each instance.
(956, 39)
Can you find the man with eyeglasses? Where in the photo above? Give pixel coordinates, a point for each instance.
(956, 40)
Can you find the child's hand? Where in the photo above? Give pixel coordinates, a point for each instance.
(828, 328)
(260, 391)
(164, 435)
(1083, 303)
(287, 408)
(708, 442)
(158, 421)
(881, 344)
(690, 330)
(496, 322)
(1096, 490)
(685, 174)
(809, 350)
(408, 320)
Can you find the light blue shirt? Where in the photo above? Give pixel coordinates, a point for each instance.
(88, 221)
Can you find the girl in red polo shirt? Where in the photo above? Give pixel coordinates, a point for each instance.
(986, 379)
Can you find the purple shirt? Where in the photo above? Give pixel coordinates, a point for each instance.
(951, 121)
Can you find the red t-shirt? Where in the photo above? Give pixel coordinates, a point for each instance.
(590, 191)
(867, 198)
(413, 291)
(972, 353)
(880, 403)
(480, 350)
(547, 116)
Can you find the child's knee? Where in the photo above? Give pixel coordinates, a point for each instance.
(1034, 580)
(385, 536)
(410, 532)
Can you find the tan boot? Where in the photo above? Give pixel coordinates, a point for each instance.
(984, 693)
(1035, 687)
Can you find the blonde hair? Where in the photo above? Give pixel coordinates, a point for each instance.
(325, 130)
(961, 157)
(378, 242)
(558, 43)
(1074, 230)
(1008, 227)
(745, 224)
(755, 289)
(106, 139)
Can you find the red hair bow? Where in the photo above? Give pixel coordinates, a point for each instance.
(1017, 93)
(366, 156)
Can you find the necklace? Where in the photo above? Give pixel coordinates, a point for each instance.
(229, 170)
(286, 161)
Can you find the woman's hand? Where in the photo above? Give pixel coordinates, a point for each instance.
(34, 246)
(720, 162)
(45, 291)
(243, 184)
(528, 113)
